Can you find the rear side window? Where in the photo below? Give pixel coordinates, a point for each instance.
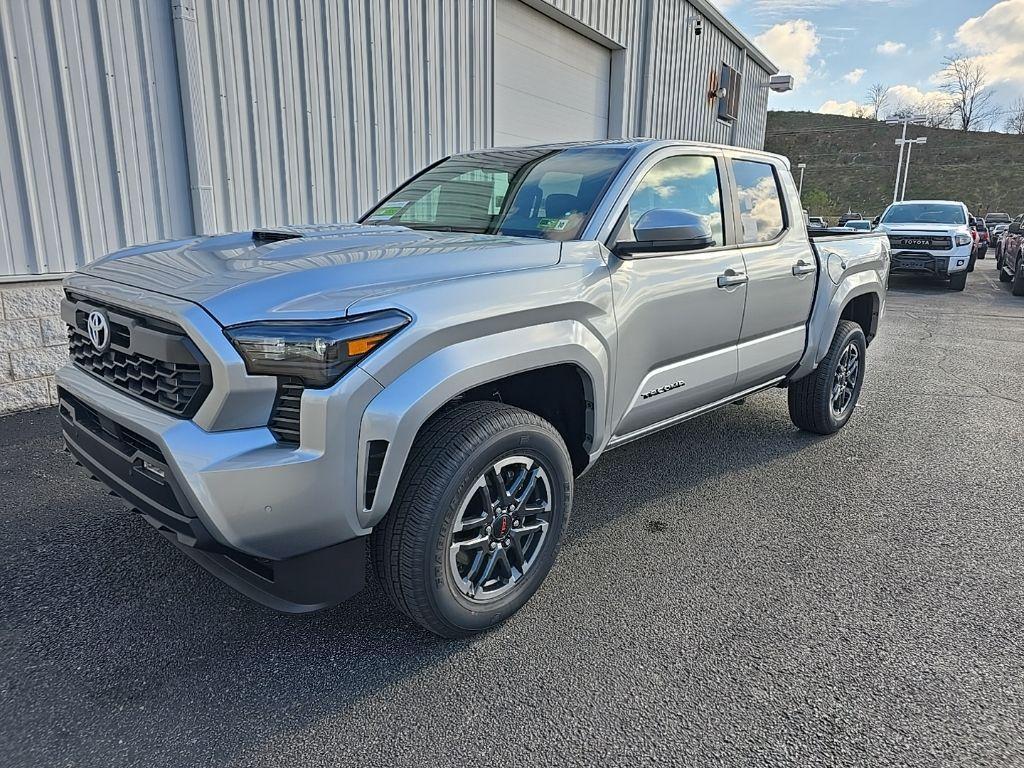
(760, 201)
(685, 182)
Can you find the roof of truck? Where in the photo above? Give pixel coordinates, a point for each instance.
(634, 143)
(929, 202)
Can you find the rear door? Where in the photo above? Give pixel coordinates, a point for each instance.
(781, 270)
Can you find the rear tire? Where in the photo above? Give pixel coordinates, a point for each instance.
(1003, 277)
(426, 551)
(958, 281)
(813, 400)
(982, 252)
(1017, 289)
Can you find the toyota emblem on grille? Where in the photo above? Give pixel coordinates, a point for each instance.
(98, 329)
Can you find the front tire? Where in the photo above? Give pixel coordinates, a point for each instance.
(477, 519)
(824, 401)
(1017, 289)
(958, 281)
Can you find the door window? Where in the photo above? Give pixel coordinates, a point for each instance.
(760, 201)
(685, 182)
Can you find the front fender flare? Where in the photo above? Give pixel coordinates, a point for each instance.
(400, 410)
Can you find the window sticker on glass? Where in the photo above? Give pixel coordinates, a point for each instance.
(556, 224)
(389, 210)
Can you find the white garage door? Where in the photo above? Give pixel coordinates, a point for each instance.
(550, 83)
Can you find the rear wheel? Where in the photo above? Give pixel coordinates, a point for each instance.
(824, 401)
(1003, 276)
(958, 281)
(477, 519)
(982, 251)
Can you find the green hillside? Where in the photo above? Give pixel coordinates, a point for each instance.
(851, 164)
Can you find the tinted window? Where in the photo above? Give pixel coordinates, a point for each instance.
(925, 213)
(540, 193)
(688, 183)
(760, 201)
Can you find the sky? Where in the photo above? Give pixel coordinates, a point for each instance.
(837, 49)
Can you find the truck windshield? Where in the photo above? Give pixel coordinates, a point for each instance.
(541, 193)
(924, 213)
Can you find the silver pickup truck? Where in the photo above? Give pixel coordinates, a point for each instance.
(426, 385)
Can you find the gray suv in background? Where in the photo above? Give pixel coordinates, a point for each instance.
(427, 384)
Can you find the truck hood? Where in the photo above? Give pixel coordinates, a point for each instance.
(312, 272)
(919, 229)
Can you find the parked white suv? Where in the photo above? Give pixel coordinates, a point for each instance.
(931, 237)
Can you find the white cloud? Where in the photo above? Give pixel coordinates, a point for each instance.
(791, 45)
(854, 75)
(997, 37)
(912, 96)
(849, 108)
(889, 48)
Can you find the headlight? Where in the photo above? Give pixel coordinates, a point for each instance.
(318, 352)
(963, 239)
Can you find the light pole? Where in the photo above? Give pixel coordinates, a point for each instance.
(906, 171)
(916, 120)
(802, 167)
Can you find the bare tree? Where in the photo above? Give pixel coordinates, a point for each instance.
(965, 81)
(1015, 117)
(878, 97)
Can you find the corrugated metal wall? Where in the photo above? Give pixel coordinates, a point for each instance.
(133, 120)
(92, 152)
(311, 110)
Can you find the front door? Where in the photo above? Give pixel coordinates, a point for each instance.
(678, 327)
(781, 271)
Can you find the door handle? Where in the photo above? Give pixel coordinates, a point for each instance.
(732, 278)
(803, 268)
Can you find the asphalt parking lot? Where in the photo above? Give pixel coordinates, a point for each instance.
(730, 591)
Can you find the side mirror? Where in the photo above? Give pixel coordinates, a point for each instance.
(667, 230)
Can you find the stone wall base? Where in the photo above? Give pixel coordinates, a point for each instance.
(33, 344)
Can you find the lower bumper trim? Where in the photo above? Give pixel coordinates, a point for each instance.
(123, 461)
(302, 584)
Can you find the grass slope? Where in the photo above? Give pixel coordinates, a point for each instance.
(851, 164)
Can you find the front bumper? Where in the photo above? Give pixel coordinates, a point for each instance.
(136, 469)
(264, 516)
(938, 263)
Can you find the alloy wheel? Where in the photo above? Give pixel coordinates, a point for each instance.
(500, 528)
(844, 383)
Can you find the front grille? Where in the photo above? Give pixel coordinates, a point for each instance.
(921, 242)
(284, 418)
(150, 359)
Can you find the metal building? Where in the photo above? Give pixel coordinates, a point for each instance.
(126, 121)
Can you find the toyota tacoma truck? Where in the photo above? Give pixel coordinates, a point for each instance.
(931, 237)
(422, 388)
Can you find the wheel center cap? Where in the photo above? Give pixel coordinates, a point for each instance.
(501, 527)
